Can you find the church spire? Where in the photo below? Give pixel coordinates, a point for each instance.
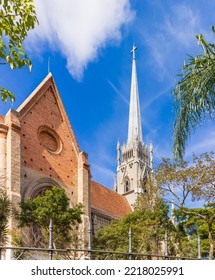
(134, 125)
(134, 158)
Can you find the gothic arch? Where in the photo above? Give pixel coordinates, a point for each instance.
(127, 184)
(35, 188)
(38, 187)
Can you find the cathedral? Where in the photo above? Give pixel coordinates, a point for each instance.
(38, 150)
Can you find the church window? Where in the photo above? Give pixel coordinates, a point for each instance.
(41, 191)
(102, 222)
(35, 232)
(49, 139)
(127, 185)
(35, 189)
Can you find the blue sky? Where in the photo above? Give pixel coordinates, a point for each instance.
(89, 43)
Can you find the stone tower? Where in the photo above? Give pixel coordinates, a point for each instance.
(135, 158)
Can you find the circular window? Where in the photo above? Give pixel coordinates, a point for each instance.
(49, 139)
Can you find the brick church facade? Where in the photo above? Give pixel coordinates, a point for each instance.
(38, 150)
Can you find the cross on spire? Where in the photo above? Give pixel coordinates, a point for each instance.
(133, 51)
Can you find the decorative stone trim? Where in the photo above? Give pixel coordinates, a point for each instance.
(3, 130)
(36, 187)
(15, 127)
(49, 139)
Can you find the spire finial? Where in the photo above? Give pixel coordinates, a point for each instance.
(49, 65)
(133, 51)
(118, 144)
(151, 155)
(118, 153)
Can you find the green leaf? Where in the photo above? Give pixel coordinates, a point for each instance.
(194, 96)
(5, 94)
(17, 18)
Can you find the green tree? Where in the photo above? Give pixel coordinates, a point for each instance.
(194, 95)
(54, 204)
(17, 17)
(183, 180)
(183, 245)
(147, 225)
(200, 221)
(185, 183)
(5, 212)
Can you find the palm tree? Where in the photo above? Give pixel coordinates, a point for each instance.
(5, 211)
(194, 95)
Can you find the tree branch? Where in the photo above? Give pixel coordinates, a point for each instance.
(9, 15)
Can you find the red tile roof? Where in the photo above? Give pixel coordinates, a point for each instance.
(108, 202)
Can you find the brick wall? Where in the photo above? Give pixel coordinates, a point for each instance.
(43, 127)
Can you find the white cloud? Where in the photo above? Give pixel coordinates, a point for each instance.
(118, 92)
(174, 37)
(182, 25)
(79, 28)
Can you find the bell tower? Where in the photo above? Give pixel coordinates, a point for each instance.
(135, 158)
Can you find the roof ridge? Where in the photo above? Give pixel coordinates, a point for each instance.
(106, 188)
(109, 202)
(34, 92)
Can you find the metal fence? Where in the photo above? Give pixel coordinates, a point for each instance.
(82, 253)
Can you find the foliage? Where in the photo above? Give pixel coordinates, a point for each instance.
(54, 204)
(148, 222)
(17, 17)
(183, 245)
(150, 197)
(183, 183)
(181, 180)
(5, 212)
(205, 165)
(200, 221)
(194, 94)
(147, 225)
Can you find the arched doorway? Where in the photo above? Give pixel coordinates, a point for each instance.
(34, 189)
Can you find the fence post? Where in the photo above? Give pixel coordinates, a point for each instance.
(89, 241)
(130, 243)
(166, 244)
(0, 252)
(50, 239)
(199, 248)
(0, 248)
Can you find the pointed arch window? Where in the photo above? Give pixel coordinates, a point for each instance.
(127, 185)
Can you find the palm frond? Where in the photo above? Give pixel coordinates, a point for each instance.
(194, 96)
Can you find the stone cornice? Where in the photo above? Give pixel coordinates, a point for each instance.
(3, 130)
(15, 127)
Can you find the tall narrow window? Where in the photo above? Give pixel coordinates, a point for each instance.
(127, 185)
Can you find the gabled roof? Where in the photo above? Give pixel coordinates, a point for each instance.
(108, 202)
(36, 95)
